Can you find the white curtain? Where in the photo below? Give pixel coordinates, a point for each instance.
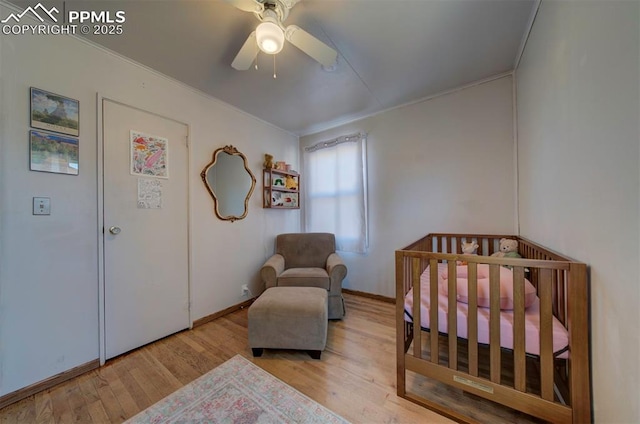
(335, 200)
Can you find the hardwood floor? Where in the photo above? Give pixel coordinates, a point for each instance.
(356, 377)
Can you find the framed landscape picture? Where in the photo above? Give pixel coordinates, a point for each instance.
(53, 153)
(53, 112)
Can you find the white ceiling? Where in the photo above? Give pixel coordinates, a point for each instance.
(390, 52)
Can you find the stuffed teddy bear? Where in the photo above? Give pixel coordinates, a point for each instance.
(508, 249)
(468, 248)
(291, 183)
(268, 161)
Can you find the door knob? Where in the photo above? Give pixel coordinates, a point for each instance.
(114, 230)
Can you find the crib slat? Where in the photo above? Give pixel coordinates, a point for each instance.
(480, 246)
(472, 333)
(433, 312)
(402, 327)
(453, 316)
(519, 357)
(406, 275)
(490, 246)
(417, 319)
(554, 292)
(546, 334)
(494, 321)
(561, 301)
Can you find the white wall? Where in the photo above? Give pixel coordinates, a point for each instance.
(442, 165)
(49, 264)
(578, 144)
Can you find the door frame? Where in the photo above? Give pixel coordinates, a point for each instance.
(101, 237)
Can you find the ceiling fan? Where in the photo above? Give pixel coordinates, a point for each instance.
(270, 34)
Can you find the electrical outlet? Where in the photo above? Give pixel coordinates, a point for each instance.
(244, 290)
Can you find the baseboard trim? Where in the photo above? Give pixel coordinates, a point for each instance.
(247, 303)
(227, 311)
(48, 383)
(370, 295)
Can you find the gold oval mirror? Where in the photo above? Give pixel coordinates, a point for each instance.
(230, 182)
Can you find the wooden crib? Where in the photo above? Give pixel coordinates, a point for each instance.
(559, 390)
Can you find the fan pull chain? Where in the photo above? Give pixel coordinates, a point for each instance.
(256, 62)
(274, 67)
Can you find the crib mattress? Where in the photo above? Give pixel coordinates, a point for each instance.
(532, 320)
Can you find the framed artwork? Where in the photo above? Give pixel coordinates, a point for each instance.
(278, 181)
(149, 193)
(276, 199)
(53, 112)
(290, 200)
(149, 155)
(51, 152)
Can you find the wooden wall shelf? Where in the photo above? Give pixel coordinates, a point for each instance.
(275, 194)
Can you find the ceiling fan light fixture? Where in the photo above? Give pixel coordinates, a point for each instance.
(270, 37)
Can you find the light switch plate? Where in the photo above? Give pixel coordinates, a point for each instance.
(42, 206)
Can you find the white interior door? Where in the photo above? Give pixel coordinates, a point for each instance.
(146, 251)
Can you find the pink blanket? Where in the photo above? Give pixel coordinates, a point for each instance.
(532, 319)
(483, 286)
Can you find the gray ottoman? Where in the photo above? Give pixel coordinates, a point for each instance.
(289, 318)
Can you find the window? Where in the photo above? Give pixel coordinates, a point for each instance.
(336, 191)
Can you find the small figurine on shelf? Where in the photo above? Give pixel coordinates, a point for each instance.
(268, 161)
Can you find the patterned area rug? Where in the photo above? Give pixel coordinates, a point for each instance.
(237, 392)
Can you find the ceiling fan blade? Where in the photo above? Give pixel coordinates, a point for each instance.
(247, 5)
(247, 54)
(311, 45)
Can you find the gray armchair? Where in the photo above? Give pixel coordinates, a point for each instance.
(308, 260)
